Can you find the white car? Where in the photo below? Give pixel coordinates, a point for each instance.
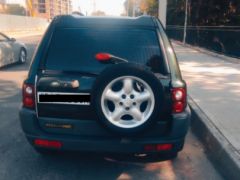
(11, 51)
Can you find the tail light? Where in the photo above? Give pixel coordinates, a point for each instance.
(179, 98)
(28, 94)
(47, 143)
(158, 147)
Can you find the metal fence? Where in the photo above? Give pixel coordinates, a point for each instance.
(222, 39)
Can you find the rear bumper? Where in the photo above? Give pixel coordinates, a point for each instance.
(103, 141)
(120, 145)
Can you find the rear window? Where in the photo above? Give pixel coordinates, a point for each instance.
(75, 49)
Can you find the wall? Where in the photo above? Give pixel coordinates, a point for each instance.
(12, 23)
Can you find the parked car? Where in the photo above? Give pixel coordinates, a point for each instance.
(105, 85)
(11, 51)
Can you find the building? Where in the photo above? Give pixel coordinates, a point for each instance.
(48, 8)
(2, 5)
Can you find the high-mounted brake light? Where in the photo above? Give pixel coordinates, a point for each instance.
(28, 99)
(179, 98)
(109, 58)
(103, 57)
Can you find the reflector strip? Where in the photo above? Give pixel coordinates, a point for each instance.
(47, 143)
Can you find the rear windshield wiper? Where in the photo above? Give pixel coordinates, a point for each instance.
(107, 58)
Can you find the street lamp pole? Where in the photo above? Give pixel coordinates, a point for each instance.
(185, 23)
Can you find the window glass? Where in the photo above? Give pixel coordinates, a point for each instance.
(75, 49)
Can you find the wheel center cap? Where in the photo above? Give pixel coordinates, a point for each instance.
(128, 103)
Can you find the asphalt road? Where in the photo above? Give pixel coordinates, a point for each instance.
(19, 161)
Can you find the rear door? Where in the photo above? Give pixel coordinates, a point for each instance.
(69, 69)
(64, 95)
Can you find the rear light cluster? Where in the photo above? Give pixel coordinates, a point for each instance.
(28, 96)
(158, 147)
(47, 143)
(179, 98)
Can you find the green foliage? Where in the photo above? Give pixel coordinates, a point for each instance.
(204, 12)
(152, 7)
(149, 7)
(200, 12)
(175, 12)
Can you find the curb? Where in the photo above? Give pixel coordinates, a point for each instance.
(208, 52)
(218, 148)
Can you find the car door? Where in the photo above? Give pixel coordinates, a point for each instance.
(6, 53)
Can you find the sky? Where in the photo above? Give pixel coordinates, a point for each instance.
(110, 7)
(22, 2)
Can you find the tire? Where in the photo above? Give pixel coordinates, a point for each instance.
(145, 82)
(22, 56)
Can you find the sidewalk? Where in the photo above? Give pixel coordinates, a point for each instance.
(214, 89)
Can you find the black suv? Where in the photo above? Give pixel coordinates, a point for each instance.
(105, 85)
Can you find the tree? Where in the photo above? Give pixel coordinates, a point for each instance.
(213, 24)
(201, 12)
(149, 7)
(205, 12)
(175, 12)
